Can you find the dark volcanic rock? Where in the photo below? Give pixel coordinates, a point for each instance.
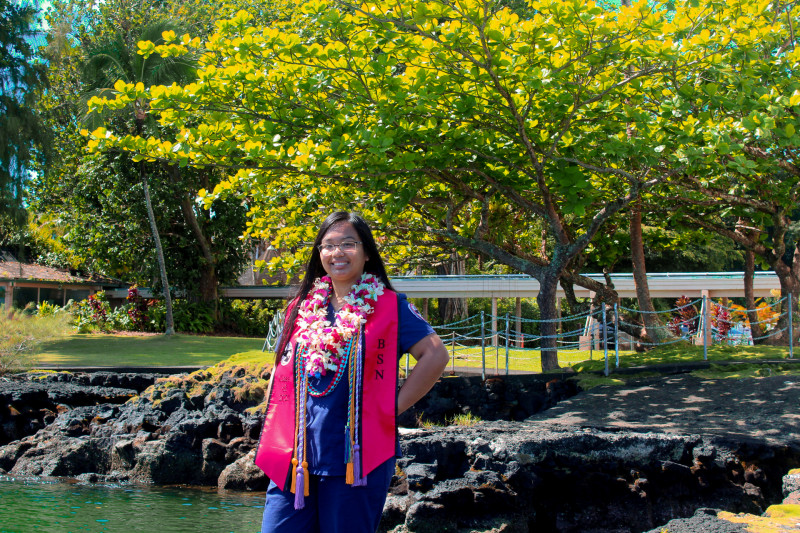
(57, 454)
(497, 398)
(616, 460)
(703, 521)
(29, 404)
(243, 474)
(534, 478)
(156, 437)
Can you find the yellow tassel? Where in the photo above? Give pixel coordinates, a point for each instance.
(349, 476)
(294, 475)
(306, 479)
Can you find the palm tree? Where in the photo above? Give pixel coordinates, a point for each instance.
(22, 136)
(117, 59)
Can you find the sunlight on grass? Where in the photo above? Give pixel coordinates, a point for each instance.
(747, 370)
(776, 518)
(151, 350)
(527, 360)
(589, 380)
(195, 350)
(687, 353)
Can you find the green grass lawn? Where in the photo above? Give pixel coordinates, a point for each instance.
(191, 350)
(584, 360)
(155, 350)
(687, 353)
(518, 359)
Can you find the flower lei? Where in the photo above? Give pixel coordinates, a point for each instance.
(325, 345)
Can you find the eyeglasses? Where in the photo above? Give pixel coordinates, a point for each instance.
(346, 247)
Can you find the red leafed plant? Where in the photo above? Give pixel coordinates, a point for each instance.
(685, 316)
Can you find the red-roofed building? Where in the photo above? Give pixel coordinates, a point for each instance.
(24, 283)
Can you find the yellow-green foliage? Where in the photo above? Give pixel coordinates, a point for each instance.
(739, 371)
(21, 334)
(589, 381)
(776, 519)
(467, 419)
(424, 422)
(250, 371)
(42, 374)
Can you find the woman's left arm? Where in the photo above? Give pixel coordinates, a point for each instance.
(432, 358)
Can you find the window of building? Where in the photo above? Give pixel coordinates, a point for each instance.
(53, 296)
(24, 296)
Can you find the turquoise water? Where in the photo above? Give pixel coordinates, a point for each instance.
(62, 507)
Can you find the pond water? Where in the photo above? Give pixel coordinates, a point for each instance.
(57, 506)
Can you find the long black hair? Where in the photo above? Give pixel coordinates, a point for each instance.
(314, 269)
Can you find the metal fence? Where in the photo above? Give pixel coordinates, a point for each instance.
(485, 341)
(474, 339)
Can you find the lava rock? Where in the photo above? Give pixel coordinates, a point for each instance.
(791, 482)
(703, 521)
(243, 474)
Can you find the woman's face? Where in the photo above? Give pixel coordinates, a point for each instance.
(344, 268)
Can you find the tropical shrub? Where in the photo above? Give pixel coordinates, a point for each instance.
(91, 315)
(247, 317)
(136, 309)
(721, 320)
(189, 317)
(767, 314)
(684, 321)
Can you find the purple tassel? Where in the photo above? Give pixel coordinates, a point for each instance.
(358, 480)
(299, 497)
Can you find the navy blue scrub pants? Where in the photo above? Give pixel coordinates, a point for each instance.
(332, 506)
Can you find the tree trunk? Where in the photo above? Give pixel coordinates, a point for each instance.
(208, 268)
(549, 328)
(749, 299)
(170, 324)
(653, 326)
(452, 309)
(790, 284)
(208, 271)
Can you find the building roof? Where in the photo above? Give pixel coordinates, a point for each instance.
(661, 285)
(16, 271)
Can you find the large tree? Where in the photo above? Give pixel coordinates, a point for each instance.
(115, 61)
(23, 139)
(99, 199)
(741, 117)
(449, 122)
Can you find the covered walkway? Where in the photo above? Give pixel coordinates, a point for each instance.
(662, 285)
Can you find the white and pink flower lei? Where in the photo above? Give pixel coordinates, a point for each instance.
(325, 344)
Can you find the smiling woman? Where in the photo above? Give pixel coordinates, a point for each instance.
(343, 259)
(328, 441)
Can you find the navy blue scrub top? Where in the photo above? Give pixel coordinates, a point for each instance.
(325, 444)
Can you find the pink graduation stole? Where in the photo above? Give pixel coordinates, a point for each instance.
(379, 399)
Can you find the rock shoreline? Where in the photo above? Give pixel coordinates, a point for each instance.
(571, 468)
(540, 479)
